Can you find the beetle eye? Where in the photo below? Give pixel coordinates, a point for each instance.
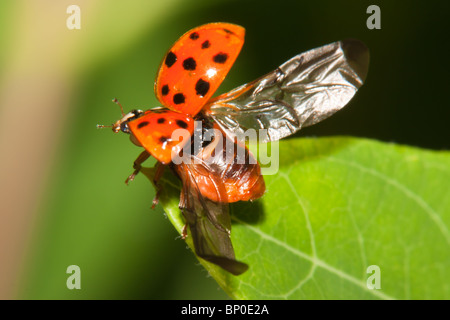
(136, 114)
(124, 127)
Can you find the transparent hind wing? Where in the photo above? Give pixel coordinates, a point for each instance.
(303, 91)
(209, 221)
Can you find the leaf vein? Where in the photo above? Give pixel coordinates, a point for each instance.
(317, 261)
(434, 216)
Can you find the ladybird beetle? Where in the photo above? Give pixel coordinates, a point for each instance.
(306, 89)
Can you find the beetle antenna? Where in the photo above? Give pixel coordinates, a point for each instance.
(121, 108)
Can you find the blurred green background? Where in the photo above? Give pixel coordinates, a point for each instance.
(63, 195)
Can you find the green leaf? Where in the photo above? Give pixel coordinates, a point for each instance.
(336, 207)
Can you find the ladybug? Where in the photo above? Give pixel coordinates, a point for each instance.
(219, 170)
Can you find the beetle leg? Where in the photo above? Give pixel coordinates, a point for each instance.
(184, 232)
(137, 165)
(158, 174)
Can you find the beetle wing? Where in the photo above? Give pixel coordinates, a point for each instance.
(209, 221)
(305, 90)
(195, 66)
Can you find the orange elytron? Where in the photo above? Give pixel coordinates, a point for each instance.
(196, 65)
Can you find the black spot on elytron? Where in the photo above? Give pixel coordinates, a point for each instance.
(165, 90)
(178, 98)
(161, 120)
(142, 124)
(206, 44)
(220, 57)
(194, 36)
(163, 139)
(182, 124)
(202, 87)
(171, 58)
(189, 64)
(228, 31)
